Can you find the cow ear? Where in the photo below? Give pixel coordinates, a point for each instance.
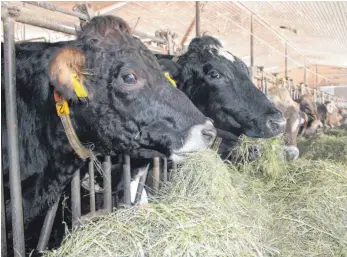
(65, 71)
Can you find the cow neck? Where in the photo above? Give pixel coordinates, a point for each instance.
(306, 120)
(64, 114)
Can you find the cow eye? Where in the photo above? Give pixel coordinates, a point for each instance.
(214, 74)
(130, 79)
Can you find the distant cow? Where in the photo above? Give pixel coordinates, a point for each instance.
(329, 114)
(343, 113)
(110, 89)
(301, 116)
(218, 83)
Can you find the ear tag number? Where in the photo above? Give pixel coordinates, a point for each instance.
(62, 108)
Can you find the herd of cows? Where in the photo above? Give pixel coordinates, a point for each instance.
(108, 91)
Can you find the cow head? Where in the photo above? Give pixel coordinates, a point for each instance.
(131, 107)
(218, 83)
(333, 115)
(281, 98)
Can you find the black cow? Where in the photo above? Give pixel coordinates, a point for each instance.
(131, 108)
(218, 83)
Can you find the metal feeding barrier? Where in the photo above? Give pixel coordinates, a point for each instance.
(9, 15)
(296, 90)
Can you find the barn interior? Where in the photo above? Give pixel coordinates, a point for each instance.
(270, 207)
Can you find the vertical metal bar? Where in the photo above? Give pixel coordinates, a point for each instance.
(107, 179)
(252, 49)
(3, 221)
(169, 42)
(156, 173)
(91, 185)
(285, 60)
(47, 227)
(305, 73)
(141, 186)
(12, 135)
(316, 78)
(126, 180)
(76, 198)
(165, 170)
(197, 18)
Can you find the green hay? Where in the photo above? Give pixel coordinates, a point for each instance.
(268, 207)
(331, 146)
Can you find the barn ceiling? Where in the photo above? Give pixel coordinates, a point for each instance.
(316, 32)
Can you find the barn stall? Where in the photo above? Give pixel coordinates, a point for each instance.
(277, 54)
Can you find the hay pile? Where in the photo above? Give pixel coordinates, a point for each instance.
(264, 208)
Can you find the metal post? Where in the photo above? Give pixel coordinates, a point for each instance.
(252, 49)
(3, 221)
(126, 180)
(107, 179)
(140, 186)
(91, 185)
(47, 227)
(76, 198)
(12, 135)
(169, 42)
(285, 60)
(156, 173)
(197, 19)
(305, 75)
(316, 82)
(165, 170)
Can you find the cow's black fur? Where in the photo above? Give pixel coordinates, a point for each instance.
(145, 119)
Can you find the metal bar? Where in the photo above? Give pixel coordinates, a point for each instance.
(126, 180)
(316, 78)
(54, 8)
(76, 198)
(146, 35)
(112, 7)
(169, 43)
(27, 16)
(107, 184)
(165, 170)
(156, 173)
(252, 48)
(3, 221)
(12, 135)
(189, 30)
(197, 15)
(285, 60)
(91, 185)
(47, 227)
(141, 186)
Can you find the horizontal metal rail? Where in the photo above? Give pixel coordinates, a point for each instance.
(54, 8)
(27, 16)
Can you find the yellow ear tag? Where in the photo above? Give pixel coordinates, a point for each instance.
(167, 75)
(62, 108)
(78, 87)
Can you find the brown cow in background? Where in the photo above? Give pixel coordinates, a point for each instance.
(301, 116)
(329, 114)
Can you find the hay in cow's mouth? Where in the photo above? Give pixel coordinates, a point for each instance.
(264, 208)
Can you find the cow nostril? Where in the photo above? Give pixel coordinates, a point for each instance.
(273, 125)
(209, 134)
(276, 125)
